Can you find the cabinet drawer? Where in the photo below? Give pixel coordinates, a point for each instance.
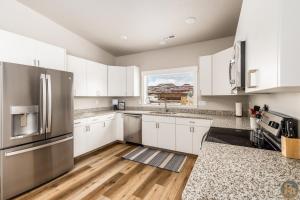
(194, 122)
(160, 119)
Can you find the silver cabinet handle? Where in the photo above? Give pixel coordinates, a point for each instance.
(34, 62)
(38, 63)
(43, 103)
(49, 104)
(38, 147)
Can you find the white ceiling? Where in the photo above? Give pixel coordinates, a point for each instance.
(144, 22)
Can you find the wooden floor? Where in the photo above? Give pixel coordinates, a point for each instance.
(105, 175)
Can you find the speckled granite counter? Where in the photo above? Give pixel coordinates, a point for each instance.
(218, 121)
(232, 172)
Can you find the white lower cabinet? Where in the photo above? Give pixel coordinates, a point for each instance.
(198, 134)
(93, 133)
(190, 133)
(149, 133)
(184, 139)
(166, 136)
(80, 140)
(158, 131)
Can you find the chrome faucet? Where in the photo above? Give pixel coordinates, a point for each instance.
(166, 107)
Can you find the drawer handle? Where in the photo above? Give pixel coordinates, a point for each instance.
(192, 122)
(7, 154)
(77, 123)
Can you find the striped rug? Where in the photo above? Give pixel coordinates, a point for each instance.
(157, 158)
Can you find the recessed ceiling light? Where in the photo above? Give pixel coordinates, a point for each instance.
(124, 37)
(190, 20)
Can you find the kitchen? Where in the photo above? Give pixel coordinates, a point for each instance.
(149, 100)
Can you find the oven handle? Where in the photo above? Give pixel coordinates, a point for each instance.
(7, 154)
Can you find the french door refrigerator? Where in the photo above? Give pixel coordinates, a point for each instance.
(36, 121)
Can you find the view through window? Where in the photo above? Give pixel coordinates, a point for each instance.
(177, 87)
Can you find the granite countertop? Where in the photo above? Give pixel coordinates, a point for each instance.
(218, 121)
(225, 171)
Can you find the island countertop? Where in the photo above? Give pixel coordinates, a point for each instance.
(225, 171)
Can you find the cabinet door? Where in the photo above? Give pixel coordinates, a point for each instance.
(198, 134)
(50, 56)
(166, 136)
(133, 81)
(16, 49)
(96, 135)
(149, 133)
(80, 140)
(96, 79)
(184, 139)
(120, 127)
(205, 74)
(109, 131)
(116, 81)
(259, 26)
(78, 67)
(221, 85)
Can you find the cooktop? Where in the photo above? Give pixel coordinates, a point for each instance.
(236, 137)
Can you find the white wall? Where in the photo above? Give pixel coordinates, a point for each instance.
(17, 18)
(186, 55)
(287, 103)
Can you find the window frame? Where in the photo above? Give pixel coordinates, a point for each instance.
(193, 69)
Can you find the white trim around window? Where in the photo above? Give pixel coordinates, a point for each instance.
(192, 69)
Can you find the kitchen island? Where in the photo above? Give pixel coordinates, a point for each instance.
(225, 171)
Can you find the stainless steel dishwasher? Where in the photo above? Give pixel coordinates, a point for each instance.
(133, 128)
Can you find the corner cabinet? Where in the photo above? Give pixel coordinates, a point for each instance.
(93, 133)
(18, 49)
(123, 81)
(133, 81)
(116, 81)
(271, 31)
(90, 78)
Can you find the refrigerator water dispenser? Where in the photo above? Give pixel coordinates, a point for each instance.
(24, 120)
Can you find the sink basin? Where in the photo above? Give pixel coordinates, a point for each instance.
(163, 113)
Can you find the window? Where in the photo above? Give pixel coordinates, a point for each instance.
(175, 86)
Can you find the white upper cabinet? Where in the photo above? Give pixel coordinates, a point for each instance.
(271, 30)
(214, 73)
(205, 75)
(51, 57)
(116, 81)
(96, 79)
(78, 67)
(22, 50)
(132, 81)
(220, 70)
(90, 78)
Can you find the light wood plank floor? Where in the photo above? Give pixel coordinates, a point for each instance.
(105, 175)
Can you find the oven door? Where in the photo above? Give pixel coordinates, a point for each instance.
(23, 104)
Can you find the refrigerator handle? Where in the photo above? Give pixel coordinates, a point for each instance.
(49, 104)
(43, 104)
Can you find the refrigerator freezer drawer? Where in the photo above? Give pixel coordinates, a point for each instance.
(26, 168)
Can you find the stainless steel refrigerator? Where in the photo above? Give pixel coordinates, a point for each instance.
(36, 121)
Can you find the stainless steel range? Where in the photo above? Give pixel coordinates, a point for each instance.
(36, 136)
